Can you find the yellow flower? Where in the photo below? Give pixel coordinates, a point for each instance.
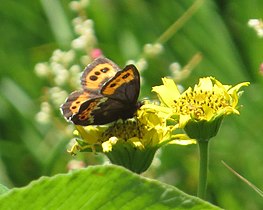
(131, 143)
(88, 139)
(156, 118)
(206, 104)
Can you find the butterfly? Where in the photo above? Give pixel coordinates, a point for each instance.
(108, 94)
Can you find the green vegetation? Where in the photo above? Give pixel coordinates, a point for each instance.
(231, 51)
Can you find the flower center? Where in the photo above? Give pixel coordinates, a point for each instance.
(124, 130)
(198, 102)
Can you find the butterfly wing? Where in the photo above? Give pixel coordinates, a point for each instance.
(111, 110)
(89, 112)
(74, 101)
(98, 111)
(124, 86)
(97, 73)
(122, 92)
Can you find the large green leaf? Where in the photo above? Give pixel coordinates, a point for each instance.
(99, 187)
(3, 189)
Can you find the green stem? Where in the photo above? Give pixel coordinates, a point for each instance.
(180, 22)
(203, 164)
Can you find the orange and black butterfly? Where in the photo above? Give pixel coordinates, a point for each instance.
(108, 94)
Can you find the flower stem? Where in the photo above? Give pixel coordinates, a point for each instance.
(203, 164)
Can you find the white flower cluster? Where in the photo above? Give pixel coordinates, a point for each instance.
(43, 116)
(63, 69)
(257, 25)
(60, 70)
(86, 39)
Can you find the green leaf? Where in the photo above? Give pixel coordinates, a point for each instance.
(3, 189)
(58, 21)
(99, 187)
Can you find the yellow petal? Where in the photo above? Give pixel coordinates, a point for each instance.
(90, 134)
(182, 139)
(183, 120)
(136, 142)
(167, 93)
(107, 145)
(205, 84)
(237, 87)
(209, 113)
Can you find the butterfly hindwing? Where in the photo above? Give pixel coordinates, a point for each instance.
(112, 110)
(97, 73)
(86, 114)
(73, 103)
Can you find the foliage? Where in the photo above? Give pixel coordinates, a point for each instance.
(231, 52)
(89, 189)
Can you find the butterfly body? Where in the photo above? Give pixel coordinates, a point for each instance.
(108, 94)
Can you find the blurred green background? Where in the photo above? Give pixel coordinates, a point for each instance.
(232, 52)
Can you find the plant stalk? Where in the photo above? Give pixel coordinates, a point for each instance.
(180, 22)
(203, 166)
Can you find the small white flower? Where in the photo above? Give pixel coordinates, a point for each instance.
(42, 117)
(56, 68)
(78, 5)
(153, 49)
(45, 107)
(56, 56)
(257, 25)
(175, 66)
(63, 57)
(42, 69)
(158, 48)
(181, 89)
(77, 21)
(57, 95)
(75, 164)
(141, 64)
(79, 43)
(82, 28)
(75, 5)
(68, 56)
(84, 3)
(85, 60)
(78, 28)
(88, 23)
(253, 22)
(61, 77)
(175, 69)
(75, 69)
(260, 32)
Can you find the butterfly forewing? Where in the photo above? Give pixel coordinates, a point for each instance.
(124, 86)
(97, 73)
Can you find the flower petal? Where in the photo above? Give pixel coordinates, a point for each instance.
(167, 93)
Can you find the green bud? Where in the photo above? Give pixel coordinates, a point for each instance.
(203, 130)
